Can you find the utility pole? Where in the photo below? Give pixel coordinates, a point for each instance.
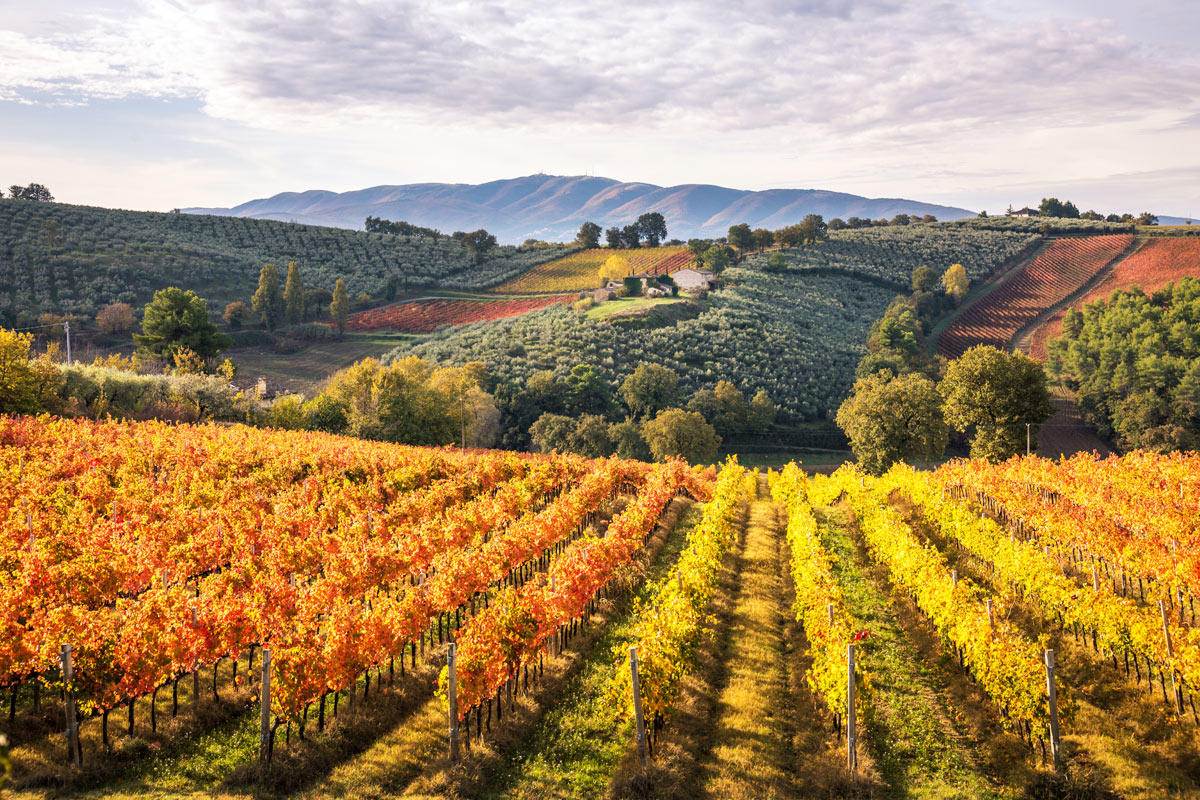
(67, 330)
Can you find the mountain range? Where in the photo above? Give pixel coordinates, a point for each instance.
(552, 207)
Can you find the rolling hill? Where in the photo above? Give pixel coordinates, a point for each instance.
(552, 207)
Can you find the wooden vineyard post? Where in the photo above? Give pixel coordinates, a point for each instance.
(452, 696)
(264, 694)
(851, 733)
(68, 673)
(1162, 609)
(1052, 691)
(637, 705)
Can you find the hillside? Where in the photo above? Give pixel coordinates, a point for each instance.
(552, 207)
(796, 333)
(1152, 266)
(76, 259)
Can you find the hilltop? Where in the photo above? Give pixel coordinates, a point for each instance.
(552, 207)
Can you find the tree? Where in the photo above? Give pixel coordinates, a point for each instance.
(177, 319)
(615, 268)
(889, 419)
(680, 433)
(924, 279)
(1053, 207)
(339, 306)
(954, 281)
(553, 433)
(115, 318)
(724, 406)
(631, 236)
(293, 295)
(316, 302)
(478, 243)
(763, 238)
(762, 412)
(650, 388)
(652, 227)
(717, 258)
(267, 301)
(612, 237)
(628, 441)
(588, 236)
(741, 237)
(25, 385)
(996, 394)
(592, 437)
(34, 191)
(588, 392)
(236, 314)
(813, 228)
(325, 413)
(790, 236)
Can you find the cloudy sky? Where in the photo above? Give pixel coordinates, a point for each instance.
(152, 104)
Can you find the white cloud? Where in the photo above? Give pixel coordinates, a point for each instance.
(874, 95)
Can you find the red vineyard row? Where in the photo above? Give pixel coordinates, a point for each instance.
(1060, 269)
(425, 316)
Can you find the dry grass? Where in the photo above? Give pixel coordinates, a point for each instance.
(675, 771)
(751, 757)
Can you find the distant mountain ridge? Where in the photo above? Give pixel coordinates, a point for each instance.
(552, 207)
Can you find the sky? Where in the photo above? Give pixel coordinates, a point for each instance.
(156, 104)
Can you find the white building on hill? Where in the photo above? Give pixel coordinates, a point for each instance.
(691, 278)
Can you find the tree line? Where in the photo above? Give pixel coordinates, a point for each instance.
(34, 191)
(1132, 359)
(1065, 209)
(477, 243)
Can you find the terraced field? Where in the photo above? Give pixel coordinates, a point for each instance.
(1058, 271)
(1155, 264)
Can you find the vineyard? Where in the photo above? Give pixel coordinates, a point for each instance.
(425, 316)
(1152, 266)
(1060, 269)
(581, 270)
(329, 616)
(76, 259)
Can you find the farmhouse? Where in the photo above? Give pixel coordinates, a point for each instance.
(691, 278)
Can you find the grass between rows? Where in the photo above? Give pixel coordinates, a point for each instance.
(1124, 741)
(910, 730)
(579, 743)
(752, 757)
